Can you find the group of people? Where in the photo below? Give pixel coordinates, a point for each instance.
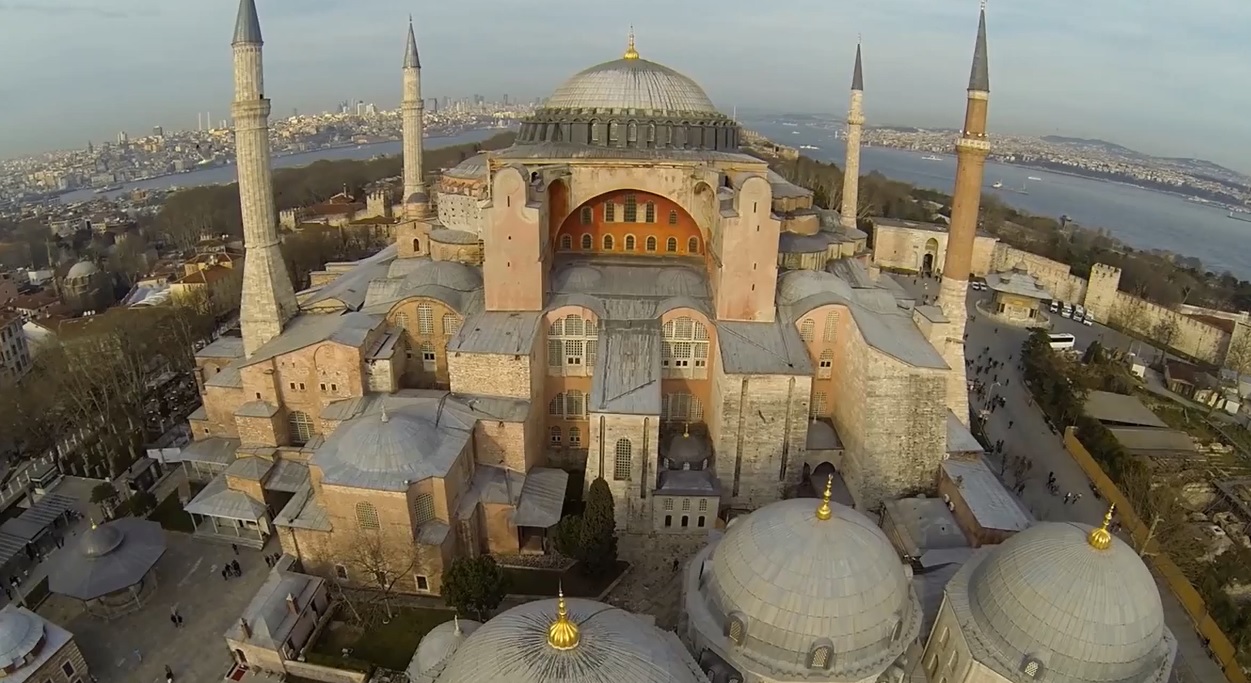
(232, 568)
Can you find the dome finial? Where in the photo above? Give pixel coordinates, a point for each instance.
(563, 633)
(384, 416)
(825, 511)
(686, 429)
(456, 623)
(1101, 538)
(630, 52)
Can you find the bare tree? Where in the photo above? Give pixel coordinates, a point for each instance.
(1166, 330)
(1130, 313)
(1238, 355)
(381, 560)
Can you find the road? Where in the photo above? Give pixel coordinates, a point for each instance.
(1031, 436)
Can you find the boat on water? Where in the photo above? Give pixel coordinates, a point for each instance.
(809, 147)
(108, 188)
(997, 184)
(1243, 216)
(931, 157)
(1034, 177)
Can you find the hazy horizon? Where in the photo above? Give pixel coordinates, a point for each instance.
(1137, 74)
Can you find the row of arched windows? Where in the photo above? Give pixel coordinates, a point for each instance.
(629, 212)
(575, 436)
(685, 349)
(808, 328)
(572, 345)
(570, 405)
(628, 243)
(425, 321)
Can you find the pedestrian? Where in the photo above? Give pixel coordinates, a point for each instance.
(1067, 496)
(226, 573)
(169, 678)
(169, 673)
(179, 618)
(138, 655)
(1010, 422)
(235, 566)
(269, 561)
(675, 564)
(173, 619)
(235, 548)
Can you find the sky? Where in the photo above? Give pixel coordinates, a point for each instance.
(1160, 76)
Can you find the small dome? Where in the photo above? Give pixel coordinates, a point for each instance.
(438, 645)
(20, 634)
(688, 449)
(580, 278)
(798, 581)
(472, 168)
(636, 86)
(100, 540)
(612, 646)
(1086, 614)
(82, 269)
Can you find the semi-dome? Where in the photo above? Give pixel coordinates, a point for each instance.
(553, 641)
(20, 635)
(437, 646)
(1052, 595)
(82, 269)
(808, 586)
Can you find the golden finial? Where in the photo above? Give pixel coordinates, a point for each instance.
(456, 623)
(563, 633)
(825, 511)
(686, 429)
(1101, 538)
(93, 522)
(630, 52)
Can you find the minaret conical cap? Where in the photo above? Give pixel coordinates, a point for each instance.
(979, 76)
(247, 25)
(411, 59)
(857, 74)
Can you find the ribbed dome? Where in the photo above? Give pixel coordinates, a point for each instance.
(799, 582)
(613, 647)
(82, 269)
(438, 645)
(100, 540)
(1086, 614)
(20, 634)
(635, 85)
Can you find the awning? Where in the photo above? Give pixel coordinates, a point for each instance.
(218, 500)
(542, 498)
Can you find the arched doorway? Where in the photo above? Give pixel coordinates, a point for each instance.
(930, 260)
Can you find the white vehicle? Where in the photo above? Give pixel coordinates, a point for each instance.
(1089, 320)
(1079, 310)
(1055, 306)
(1067, 312)
(1062, 341)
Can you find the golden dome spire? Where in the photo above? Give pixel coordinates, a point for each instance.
(1101, 538)
(563, 633)
(630, 52)
(825, 511)
(686, 429)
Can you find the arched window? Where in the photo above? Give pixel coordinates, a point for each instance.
(632, 132)
(649, 212)
(416, 246)
(614, 133)
(819, 657)
(367, 516)
(825, 366)
(572, 343)
(451, 324)
(671, 245)
(651, 243)
(566, 242)
(621, 460)
(631, 212)
(673, 216)
(423, 509)
(610, 212)
(681, 408)
(595, 134)
(575, 436)
(401, 320)
(684, 352)
(556, 407)
(808, 330)
(629, 242)
(301, 427)
(586, 215)
(587, 242)
(607, 242)
(575, 404)
(831, 326)
(651, 134)
(425, 319)
(897, 632)
(553, 435)
(692, 245)
(736, 628)
(429, 361)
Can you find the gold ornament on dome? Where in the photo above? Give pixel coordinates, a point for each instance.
(563, 633)
(1101, 538)
(630, 52)
(825, 511)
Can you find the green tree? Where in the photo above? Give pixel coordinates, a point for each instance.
(104, 492)
(474, 585)
(567, 538)
(142, 503)
(598, 545)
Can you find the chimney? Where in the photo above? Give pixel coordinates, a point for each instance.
(247, 630)
(292, 606)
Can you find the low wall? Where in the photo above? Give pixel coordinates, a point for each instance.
(1222, 650)
(1052, 275)
(328, 674)
(1188, 336)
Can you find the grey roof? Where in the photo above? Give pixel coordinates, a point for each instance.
(303, 511)
(436, 647)
(762, 349)
(250, 468)
(20, 633)
(258, 409)
(626, 378)
(979, 75)
(497, 332)
(800, 581)
(214, 450)
(455, 284)
(922, 525)
(492, 485)
(269, 618)
(931, 586)
(1151, 440)
(932, 313)
(395, 442)
(222, 347)
(247, 25)
(200, 413)
(288, 476)
(542, 497)
(615, 647)
(351, 288)
(217, 499)
(1018, 283)
(688, 483)
(1106, 406)
(38, 517)
(450, 236)
(82, 269)
(411, 59)
(107, 558)
(785, 188)
(10, 546)
(1087, 615)
(992, 505)
(228, 377)
(634, 86)
(349, 329)
(471, 168)
(687, 449)
(497, 408)
(959, 438)
(822, 437)
(857, 74)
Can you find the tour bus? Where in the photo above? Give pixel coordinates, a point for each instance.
(1062, 341)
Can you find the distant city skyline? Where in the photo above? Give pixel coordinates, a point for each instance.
(1147, 76)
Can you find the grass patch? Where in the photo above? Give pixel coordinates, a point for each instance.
(170, 515)
(390, 645)
(522, 581)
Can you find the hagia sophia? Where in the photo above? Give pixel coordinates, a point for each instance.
(625, 293)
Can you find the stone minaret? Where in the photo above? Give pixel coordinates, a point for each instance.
(851, 170)
(268, 300)
(971, 151)
(416, 200)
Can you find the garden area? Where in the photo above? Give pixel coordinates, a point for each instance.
(378, 641)
(575, 583)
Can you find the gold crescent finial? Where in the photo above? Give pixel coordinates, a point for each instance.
(983, 8)
(563, 633)
(825, 511)
(686, 429)
(1101, 538)
(630, 52)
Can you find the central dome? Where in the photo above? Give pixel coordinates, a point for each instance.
(632, 85)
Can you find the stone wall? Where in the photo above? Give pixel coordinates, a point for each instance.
(1164, 326)
(326, 674)
(764, 427)
(1054, 276)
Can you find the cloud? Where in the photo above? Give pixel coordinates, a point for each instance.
(60, 9)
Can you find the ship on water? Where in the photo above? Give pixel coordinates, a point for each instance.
(1034, 177)
(931, 157)
(1244, 216)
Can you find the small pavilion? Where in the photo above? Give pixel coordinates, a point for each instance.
(110, 569)
(1017, 298)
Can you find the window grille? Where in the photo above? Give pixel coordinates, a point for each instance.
(301, 427)
(587, 215)
(425, 319)
(807, 330)
(587, 242)
(692, 245)
(451, 324)
(629, 242)
(621, 460)
(423, 509)
(649, 212)
(631, 212)
(651, 244)
(367, 516)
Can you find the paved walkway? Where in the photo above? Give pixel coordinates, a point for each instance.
(652, 586)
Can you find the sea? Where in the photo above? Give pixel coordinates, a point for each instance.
(1143, 219)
